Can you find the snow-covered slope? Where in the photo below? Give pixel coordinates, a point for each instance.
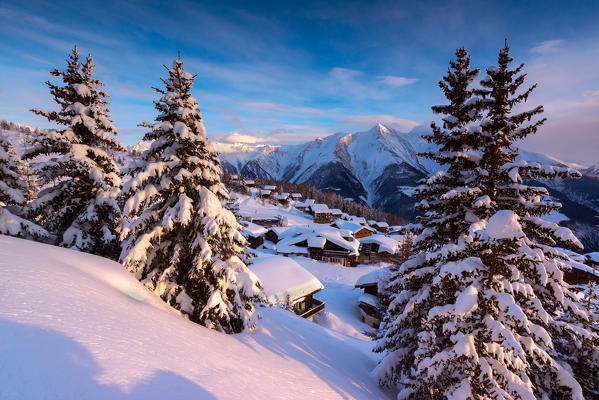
(77, 326)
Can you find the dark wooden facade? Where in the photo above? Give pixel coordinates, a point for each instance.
(334, 254)
(576, 276)
(308, 306)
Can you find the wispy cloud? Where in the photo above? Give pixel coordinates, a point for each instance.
(548, 46)
(396, 80)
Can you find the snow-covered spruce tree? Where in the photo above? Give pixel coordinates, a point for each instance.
(80, 181)
(447, 208)
(489, 312)
(554, 355)
(180, 241)
(13, 191)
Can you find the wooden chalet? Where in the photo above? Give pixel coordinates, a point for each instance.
(378, 248)
(305, 205)
(249, 183)
(369, 304)
(321, 213)
(327, 245)
(253, 233)
(323, 249)
(382, 227)
(358, 231)
(265, 194)
(287, 284)
(336, 213)
(296, 196)
(283, 199)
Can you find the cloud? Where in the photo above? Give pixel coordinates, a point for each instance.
(396, 80)
(548, 46)
(236, 137)
(372, 119)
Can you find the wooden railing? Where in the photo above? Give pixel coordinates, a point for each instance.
(317, 306)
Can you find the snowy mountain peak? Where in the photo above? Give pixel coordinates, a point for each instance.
(380, 129)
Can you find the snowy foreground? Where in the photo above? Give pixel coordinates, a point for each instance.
(77, 326)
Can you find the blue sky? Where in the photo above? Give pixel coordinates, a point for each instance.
(287, 72)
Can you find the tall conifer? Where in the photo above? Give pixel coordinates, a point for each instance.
(179, 240)
(481, 310)
(80, 181)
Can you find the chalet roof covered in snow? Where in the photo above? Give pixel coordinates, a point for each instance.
(336, 211)
(351, 226)
(252, 229)
(264, 192)
(316, 235)
(281, 276)
(283, 196)
(296, 195)
(270, 187)
(370, 299)
(249, 182)
(317, 241)
(373, 277)
(320, 209)
(386, 244)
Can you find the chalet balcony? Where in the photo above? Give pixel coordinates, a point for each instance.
(317, 306)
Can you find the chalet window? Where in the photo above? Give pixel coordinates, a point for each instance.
(300, 307)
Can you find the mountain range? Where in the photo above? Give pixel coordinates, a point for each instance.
(381, 167)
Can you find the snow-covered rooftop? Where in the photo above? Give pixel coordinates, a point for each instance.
(298, 234)
(281, 276)
(264, 192)
(270, 187)
(320, 209)
(336, 211)
(370, 299)
(373, 277)
(351, 225)
(252, 229)
(316, 241)
(386, 244)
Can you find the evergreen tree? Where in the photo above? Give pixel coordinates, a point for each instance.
(180, 241)
(447, 210)
(13, 192)
(80, 180)
(486, 314)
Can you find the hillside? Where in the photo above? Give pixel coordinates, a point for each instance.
(77, 326)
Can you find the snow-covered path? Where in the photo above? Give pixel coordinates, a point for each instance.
(76, 326)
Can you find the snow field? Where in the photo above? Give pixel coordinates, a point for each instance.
(77, 326)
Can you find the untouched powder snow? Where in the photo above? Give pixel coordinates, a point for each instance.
(77, 326)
